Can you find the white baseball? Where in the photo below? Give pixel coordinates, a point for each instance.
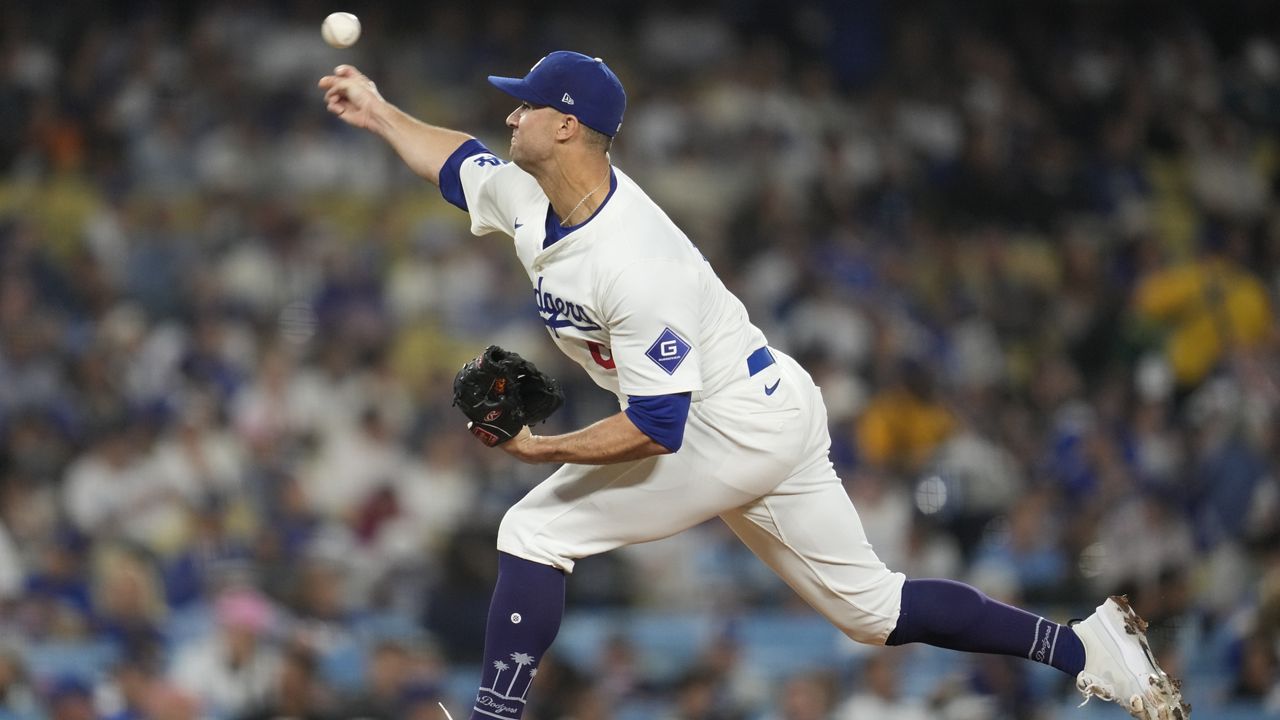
(341, 29)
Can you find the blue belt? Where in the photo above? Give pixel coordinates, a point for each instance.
(759, 360)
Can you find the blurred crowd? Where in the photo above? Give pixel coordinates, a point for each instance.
(1030, 251)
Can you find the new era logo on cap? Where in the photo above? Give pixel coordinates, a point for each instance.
(567, 99)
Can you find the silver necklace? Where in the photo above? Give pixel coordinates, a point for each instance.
(565, 221)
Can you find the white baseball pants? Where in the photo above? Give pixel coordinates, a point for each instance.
(758, 461)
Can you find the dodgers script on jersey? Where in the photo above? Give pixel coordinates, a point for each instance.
(626, 294)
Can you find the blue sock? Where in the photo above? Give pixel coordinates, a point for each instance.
(524, 617)
(952, 615)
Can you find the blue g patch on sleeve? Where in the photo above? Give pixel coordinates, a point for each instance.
(668, 351)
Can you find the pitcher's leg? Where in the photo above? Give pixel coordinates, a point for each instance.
(579, 511)
(808, 531)
(952, 615)
(1107, 653)
(524, 617)
(586, 510)
(811, 536)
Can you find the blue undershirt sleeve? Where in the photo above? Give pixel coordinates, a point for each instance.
(661, 417)
(450, 180)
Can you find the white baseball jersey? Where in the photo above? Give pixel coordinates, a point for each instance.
(630, 298)
(626, 295)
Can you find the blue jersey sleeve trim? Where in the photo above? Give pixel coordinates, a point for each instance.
(661, 417)
(450, 173)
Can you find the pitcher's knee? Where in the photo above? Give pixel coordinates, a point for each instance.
(520, 535)
(869, 629)
(869, 614)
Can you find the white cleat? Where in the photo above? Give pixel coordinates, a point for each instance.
(1119, 666)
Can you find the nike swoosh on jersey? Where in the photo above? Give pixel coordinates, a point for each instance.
(519, 225)
(768, 389)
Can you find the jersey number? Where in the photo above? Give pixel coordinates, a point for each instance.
(596, 354)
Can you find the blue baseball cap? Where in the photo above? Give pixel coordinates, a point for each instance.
(574, 84)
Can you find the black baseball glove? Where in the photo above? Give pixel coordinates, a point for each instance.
(501, 392)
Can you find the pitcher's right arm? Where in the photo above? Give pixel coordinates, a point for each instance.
(352, 96)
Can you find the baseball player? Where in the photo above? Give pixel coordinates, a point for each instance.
(713, 421)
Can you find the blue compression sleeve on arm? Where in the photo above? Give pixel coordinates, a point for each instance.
(450, 181)
(661, 417)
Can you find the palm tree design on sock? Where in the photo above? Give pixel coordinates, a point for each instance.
(500, 667)
(532, 674)
(520, 659)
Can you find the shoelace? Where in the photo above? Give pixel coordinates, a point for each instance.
(1092, 689)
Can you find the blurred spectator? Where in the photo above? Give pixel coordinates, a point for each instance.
(1258, 679)
(1028, 545)
(436, 490)
(71, 698)
(1213, 308)
(323, 594)
(280, 404)
(199, 456)
(114, 493)
(886, 510)
(993, 687)
(18, 699)
(903, 424)
(389, 679)
(12, 572)
(805, 697)
(288, 529)
(695, 696)
(1143, 538)
(215, 551)
(740, 686)
(296, 690)
(970, 480)
(590, 703)
(165, 701)
(128, 600)
(554, 687)
(233, 669)
(353, 466)
(880, 696)
(132, 682)
(418, 702)
(59, 582)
